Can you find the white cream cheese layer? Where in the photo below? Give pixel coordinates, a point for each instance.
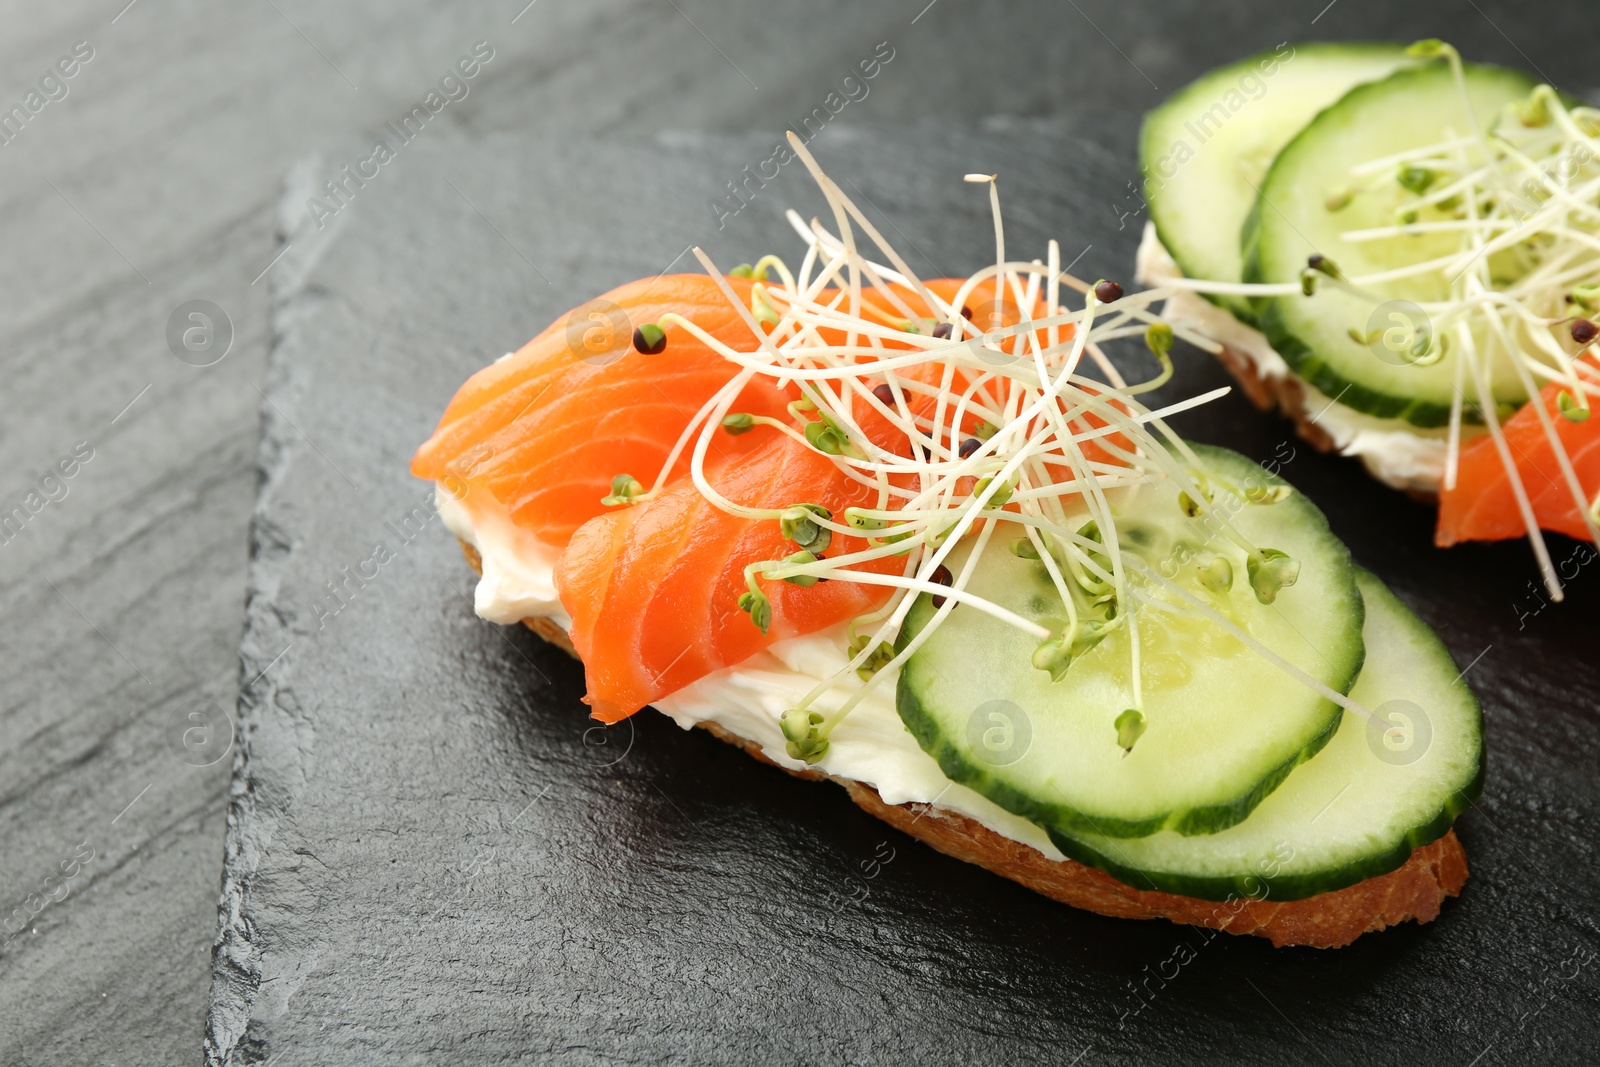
(871, 745)
(1393, 451)
(518, 579)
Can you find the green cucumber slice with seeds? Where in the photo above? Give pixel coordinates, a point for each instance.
(1380, 789)
(1204, 152)
(1223, 725)
(1410, 109)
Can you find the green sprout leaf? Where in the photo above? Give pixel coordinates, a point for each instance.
(1535, 110)
(624, 487)
(1271, 571)
(1338, 199)
(1054, 656)
(1158, 339)
(1216, 574)
(802, 738)
(825, 437)
(1428, 48)
(1266, 494)
(799, 525)
(738, 423)
(755, 604)
(805, 580)
(743, 270)
(1416, 179)
(762, 308)
(1002, 492)
(1570, 409)
(1023, 548)
(858, 521)
(1323, 265)
(1130, 727)
(985, 430)
(879, 658)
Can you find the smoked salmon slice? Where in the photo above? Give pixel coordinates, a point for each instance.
(545, 430)
(653, 589)
(1482, 507)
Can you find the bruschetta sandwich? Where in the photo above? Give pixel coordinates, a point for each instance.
(1401, 251)
(924, 538)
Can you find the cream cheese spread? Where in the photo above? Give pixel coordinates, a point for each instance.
(1393, 451)
(871, 745)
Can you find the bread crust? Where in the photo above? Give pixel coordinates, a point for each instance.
(1287, 395)
(1416, 890)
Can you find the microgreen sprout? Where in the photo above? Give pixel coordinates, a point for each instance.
(1001, 494)
(1266, 494)
(624, 489)
(1023, 548)
(649, 339)
(802, 735)
(800, 524)
(754, 603)
(1130, 726)
(761, 307)
(877, 659)
(1270, 571)
(1216, 574)
(1570, 409)
(1056, 653)
(1416, 179)
(802, 579)
(824, 436)
(739, 422)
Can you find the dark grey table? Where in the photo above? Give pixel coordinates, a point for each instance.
(147, 180)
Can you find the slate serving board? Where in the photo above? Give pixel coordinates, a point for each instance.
(434, 857)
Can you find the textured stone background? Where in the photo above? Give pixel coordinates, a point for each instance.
(154, 182)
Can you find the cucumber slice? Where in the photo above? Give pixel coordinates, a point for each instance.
(1355, 811)
(1410, 109)
(1224, 725)
(1204, 152)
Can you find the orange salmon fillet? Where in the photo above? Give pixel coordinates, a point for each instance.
(1481, 507)
(653, 589)
(546, 430)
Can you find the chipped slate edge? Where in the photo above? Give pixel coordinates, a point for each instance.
(254, 806)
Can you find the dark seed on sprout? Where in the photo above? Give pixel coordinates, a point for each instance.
(1584, 331)
(969, 446)
(884, 394)
(1315, 260)
(941, 576)
(649, 339)
(966, 312)
(943, 331)
(1107, 292)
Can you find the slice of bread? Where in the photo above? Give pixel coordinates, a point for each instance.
(1329, 920)
(1288, 395)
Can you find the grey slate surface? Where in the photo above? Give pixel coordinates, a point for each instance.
(167, 158)
(433, 856)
